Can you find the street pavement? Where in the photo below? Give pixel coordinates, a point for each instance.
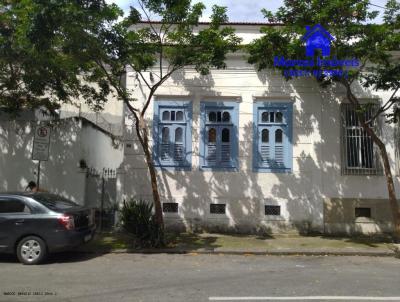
(193, 277)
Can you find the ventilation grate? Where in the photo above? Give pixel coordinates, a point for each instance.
(272, 210)
(170, 207)
(217, 208)
(362, 212)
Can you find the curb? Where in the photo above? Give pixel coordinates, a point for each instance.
(245, 253)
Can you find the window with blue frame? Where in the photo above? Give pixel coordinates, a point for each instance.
(272, 149)
(172, 134)
(219, 142)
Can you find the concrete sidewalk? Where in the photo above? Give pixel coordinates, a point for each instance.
(247, 245)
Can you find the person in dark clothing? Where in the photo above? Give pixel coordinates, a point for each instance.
(31, 187)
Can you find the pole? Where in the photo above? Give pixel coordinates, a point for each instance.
(38, 176)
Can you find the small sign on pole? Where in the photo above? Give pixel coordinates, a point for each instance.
(41, 143)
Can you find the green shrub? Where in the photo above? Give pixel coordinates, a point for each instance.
(138, 219)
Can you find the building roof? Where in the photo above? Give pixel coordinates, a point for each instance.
(227, 23)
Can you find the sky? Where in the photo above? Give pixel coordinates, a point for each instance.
(241, 10)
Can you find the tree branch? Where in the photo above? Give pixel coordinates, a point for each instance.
(389, 103)
(144, 79)
(148, 17)
(154, 88)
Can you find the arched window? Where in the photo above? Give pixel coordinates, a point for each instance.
(165, 116)
(225, 135)
(278, 136)
(265, 116)
(212, 135)
(279, 117)
(179, 115)
(165, 135)
(226, 117)
(212, 116)
(265, 136)
(178, 135)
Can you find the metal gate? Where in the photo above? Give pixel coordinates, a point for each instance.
(100, 193)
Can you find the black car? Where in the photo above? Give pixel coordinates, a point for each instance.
(35, 224)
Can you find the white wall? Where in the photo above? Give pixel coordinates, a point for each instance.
(69, 143)
(316, 152)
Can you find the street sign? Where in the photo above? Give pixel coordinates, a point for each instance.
(41, 143)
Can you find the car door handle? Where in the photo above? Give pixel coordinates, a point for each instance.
(20, 221)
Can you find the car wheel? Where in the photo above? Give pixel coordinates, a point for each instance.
(31, 250)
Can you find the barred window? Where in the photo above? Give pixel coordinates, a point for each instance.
(359, 154)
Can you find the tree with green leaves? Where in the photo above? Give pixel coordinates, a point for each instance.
(44, 52)
(350, 22)
(158, 49)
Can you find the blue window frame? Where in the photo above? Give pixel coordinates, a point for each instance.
(219, 136)
(272, 143)
(172, 134)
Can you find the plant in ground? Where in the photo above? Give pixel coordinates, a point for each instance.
(137, 218)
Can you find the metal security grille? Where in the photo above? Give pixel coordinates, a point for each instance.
(359, 154)
(362, 212)
(170, 207)
(217, 208)
(272, 210)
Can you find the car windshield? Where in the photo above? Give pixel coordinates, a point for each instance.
(54, 202)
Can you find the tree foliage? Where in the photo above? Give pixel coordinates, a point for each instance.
(46, 52)
(355, 36)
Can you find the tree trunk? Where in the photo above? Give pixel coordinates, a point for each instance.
(390, 185)
(153, 178)
(386, 165)
(142, 134)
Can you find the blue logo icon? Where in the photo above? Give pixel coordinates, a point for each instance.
(317, 37)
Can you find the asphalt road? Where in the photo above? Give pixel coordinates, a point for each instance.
(135, 277)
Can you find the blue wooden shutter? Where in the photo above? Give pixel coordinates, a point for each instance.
(218, 146)
(264, 147)
(272, 137)
(179, 143)
(171, 134)
(211, 139)
(165, 144)
(225, 140)
(280, 148)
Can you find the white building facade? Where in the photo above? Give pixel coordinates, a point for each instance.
(246, 151)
